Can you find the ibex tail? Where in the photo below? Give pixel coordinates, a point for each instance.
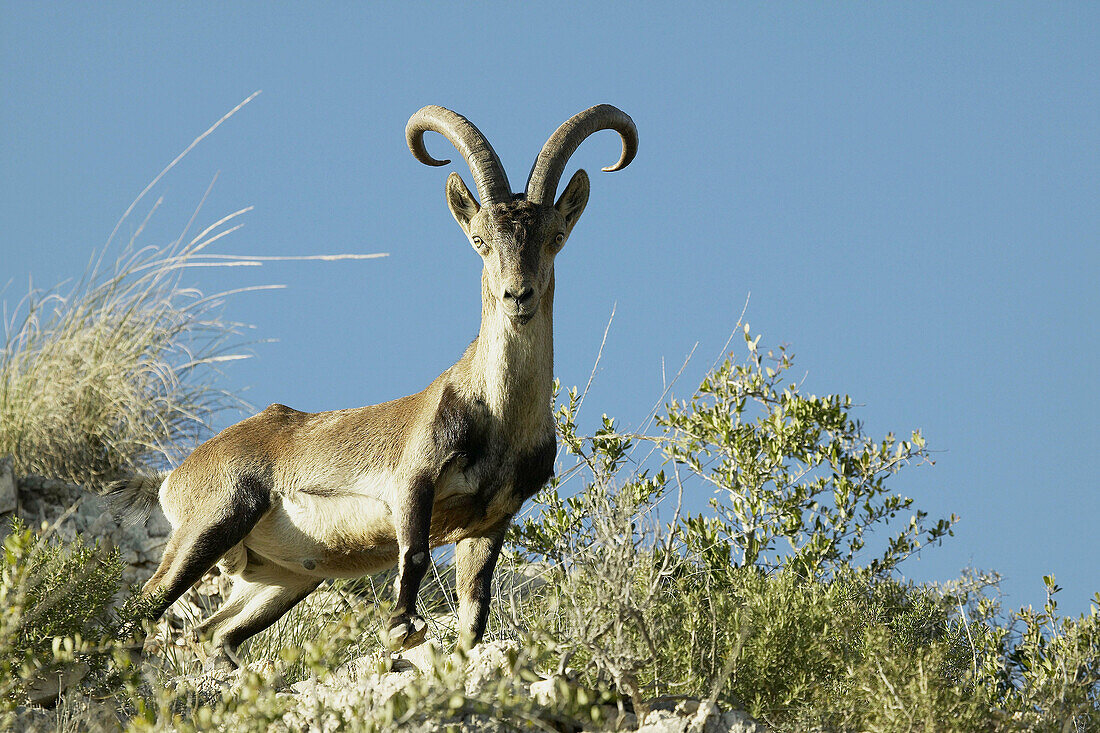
(132, 499)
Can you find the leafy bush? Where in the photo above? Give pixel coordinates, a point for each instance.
(765, 603)
(787, 467)
(1036, 667)
(762, 605)
(57, 620)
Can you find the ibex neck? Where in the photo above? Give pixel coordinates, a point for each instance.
(512, 366)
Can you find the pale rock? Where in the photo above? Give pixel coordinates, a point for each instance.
(708, 718)
(354, 670)
(663, 721)
(153, 547)
(671, 714)
(385, 686)
(158, 524)
(103, 526)
(683, 714)
(486, 662)
(423, 657)
(738, 721)
(303, 686)
(43, 687)
(545, 692)
(33, 719)
(9, 500)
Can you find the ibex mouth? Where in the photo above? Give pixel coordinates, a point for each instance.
(520, 315)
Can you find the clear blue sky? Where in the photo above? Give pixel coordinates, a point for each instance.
(911, 193)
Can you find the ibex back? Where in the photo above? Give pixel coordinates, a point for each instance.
(285, 499)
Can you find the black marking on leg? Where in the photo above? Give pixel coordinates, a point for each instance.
(235, 636)
(415, 521)
(251, 499)
(476, 559)
(193, 554)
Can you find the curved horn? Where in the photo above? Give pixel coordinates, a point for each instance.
(542, 184)
(489, 176)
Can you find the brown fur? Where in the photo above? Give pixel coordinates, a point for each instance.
(288, 498)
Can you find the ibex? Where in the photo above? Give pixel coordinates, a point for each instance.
(285, 499)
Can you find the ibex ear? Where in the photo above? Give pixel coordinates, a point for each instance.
(462, 202)
(574, 198)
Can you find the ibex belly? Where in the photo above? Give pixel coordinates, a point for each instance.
(350, 533)
(329, 535)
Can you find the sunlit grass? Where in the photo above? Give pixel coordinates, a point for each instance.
(119, 371)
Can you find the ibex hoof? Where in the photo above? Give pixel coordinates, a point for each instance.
(407, 631)
(220, 661)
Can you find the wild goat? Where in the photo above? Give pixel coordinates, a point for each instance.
(285, 499)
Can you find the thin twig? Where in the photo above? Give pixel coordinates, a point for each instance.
(596, 365)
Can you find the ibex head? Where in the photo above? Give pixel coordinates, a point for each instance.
(518, 235)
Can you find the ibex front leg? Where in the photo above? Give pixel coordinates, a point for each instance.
(412, 521)
(476, 558)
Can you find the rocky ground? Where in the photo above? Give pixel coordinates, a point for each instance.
(484, 667)
(69, 510)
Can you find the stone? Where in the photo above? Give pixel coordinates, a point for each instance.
(354, 670)
(102, 526)
(423, 657)
(486, 662)
(32, 719)
(675, 714)
(547, 692)
(208, 686)
(9, 500)
(387, 685)
(738, 721)
(663, 721)
(153, 547)
(44, 687)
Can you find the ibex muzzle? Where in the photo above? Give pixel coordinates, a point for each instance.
(285, 499)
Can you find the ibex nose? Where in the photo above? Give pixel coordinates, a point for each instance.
(520, 296)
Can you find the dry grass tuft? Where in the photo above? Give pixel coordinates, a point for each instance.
(119, 372)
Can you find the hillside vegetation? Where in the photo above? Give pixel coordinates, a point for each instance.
(786, 599)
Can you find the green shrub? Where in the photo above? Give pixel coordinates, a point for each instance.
(797, 481)
(765, 603)
(1036, 668)
(57, 619)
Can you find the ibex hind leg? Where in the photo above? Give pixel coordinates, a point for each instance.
(196, 544)
(261, 595)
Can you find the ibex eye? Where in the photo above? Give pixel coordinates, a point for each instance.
(560, 238)
(479, 243)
